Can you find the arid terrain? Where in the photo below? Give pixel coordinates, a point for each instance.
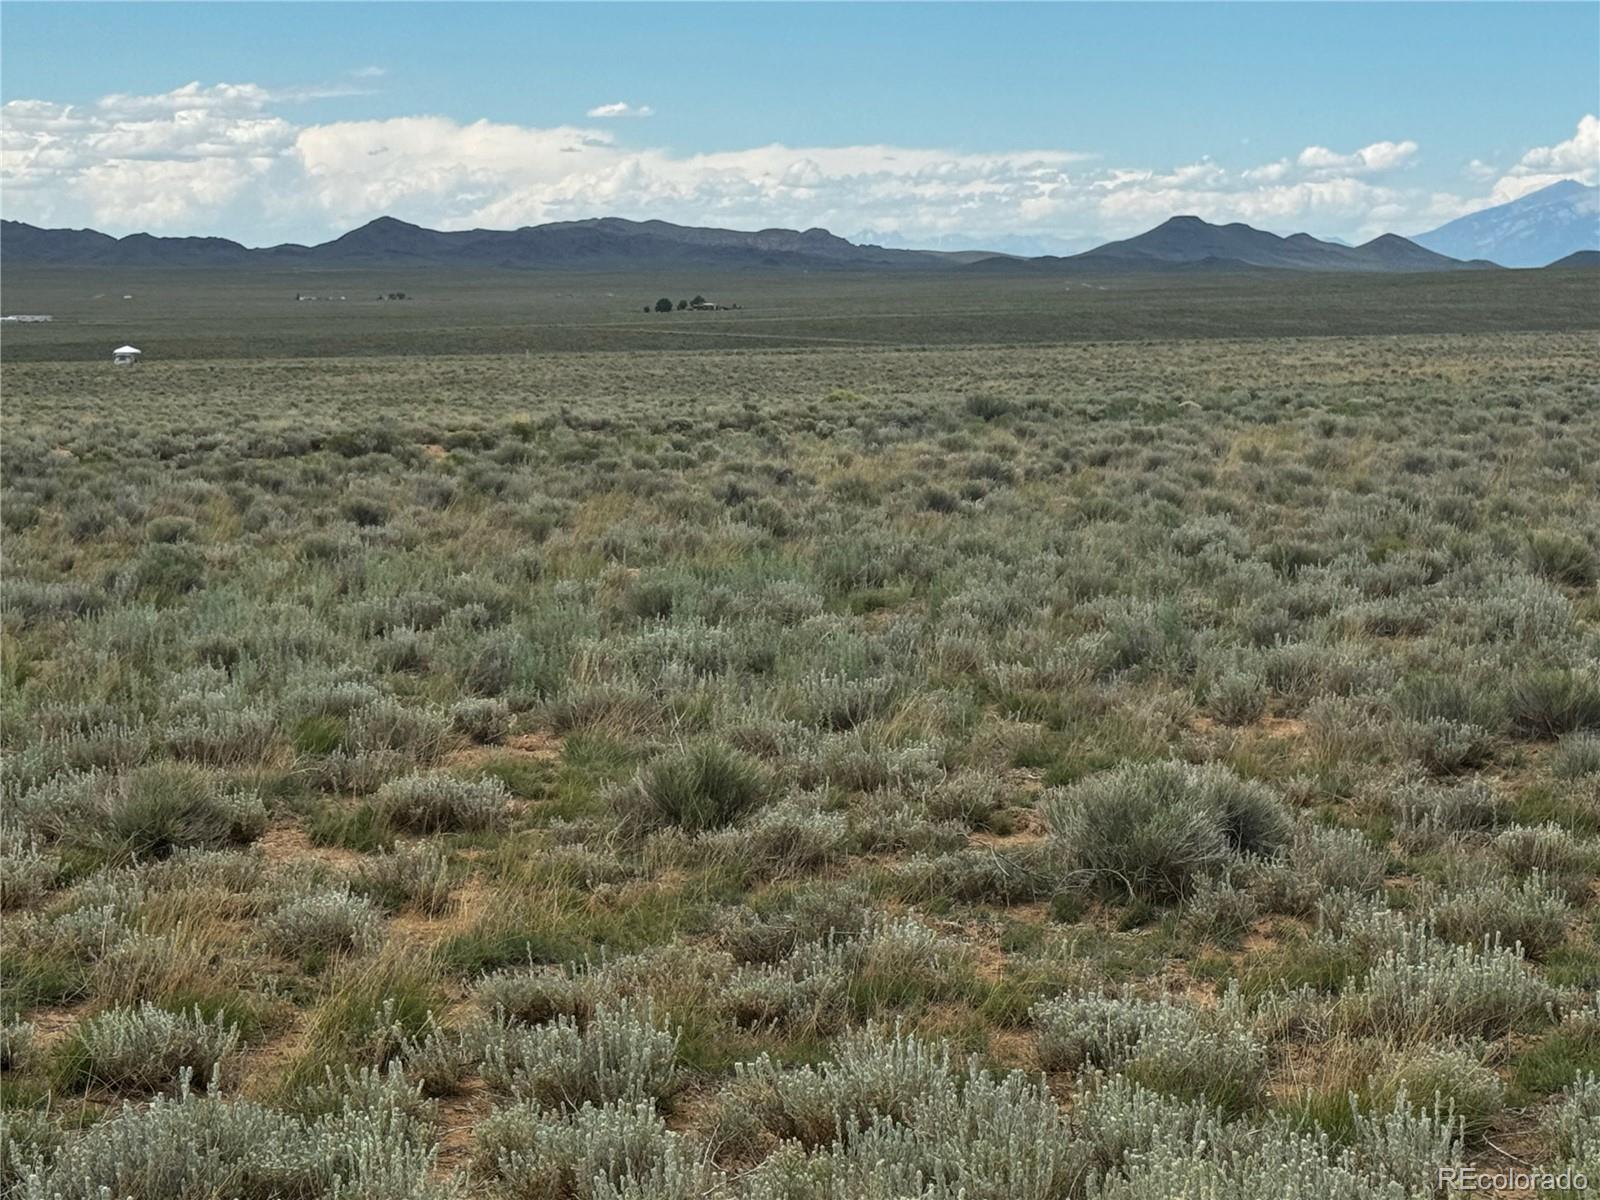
(892, 744)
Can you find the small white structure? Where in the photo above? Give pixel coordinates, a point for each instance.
(125, 356)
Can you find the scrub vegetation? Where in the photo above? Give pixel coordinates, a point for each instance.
(1056, 772)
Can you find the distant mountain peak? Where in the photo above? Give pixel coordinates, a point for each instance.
(1551, 223)
(1191, 242)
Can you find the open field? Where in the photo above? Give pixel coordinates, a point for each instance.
(1111, 766)
(188, 314)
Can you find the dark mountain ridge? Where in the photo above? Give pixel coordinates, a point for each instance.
(1183, 243)
(1188, 240)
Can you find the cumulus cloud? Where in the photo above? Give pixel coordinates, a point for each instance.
(621, 109)
(1369, 160)
(224, 158)
(1576, 158)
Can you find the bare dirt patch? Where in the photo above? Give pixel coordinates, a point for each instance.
(467, 907)
(51, 1025)
(459, 1116)
(528, 747)
(289, 844)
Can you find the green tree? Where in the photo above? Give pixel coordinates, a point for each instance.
(698, 300)
(663, 305)
(682, 304)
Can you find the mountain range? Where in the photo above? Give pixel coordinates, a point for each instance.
(601, 243)
(1190, 244)
(1180, 244)
(1533, 231)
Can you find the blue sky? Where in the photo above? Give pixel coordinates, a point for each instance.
(945, 124)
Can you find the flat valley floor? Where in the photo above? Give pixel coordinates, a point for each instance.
(906, 743)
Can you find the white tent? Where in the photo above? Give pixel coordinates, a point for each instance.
(125, 356)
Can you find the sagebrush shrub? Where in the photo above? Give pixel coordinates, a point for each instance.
(620, 1055)
(1162, 1045)
(1566, 861)
(16, 1044)
(149, 812)
(1528, 914)
(329, 922)
(1562, 558)
(873, 1072)
(1577, 756)
(433, 802)
(27, 873)
(485, 721)
(1572, 1131)
(532, 1152)
(415, 877)
(1425, 988)
(145, 1049)
(197, 1147)
(1237, 698)
(536, 995)
(1428, 812)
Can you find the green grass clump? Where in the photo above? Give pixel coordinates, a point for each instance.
(1154, 831)
(151, 812)
(702, 787)
(1546, 704)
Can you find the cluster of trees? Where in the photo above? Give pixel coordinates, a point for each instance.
(666, 305)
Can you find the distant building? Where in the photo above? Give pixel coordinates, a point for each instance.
(125, 356)
(28, 317)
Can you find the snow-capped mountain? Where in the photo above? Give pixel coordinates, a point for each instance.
(1531, 231)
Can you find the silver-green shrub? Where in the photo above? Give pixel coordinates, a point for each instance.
(1166, 1046)
(1422, 987)
(146, 1049)
(330, 922)
(620, 1055)
(433, 802)
(592, 1153)
(1528, 913)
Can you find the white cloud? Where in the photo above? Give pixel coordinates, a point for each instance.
(224, 158)
(1576, 158)
(1379, 156)
(621, 109)
(1267, 173)
(1579, 155)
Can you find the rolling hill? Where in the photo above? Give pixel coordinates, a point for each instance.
(1578, 258)
(1532, 231)
(607, 242)
(1190, 242)
(1183, 244)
